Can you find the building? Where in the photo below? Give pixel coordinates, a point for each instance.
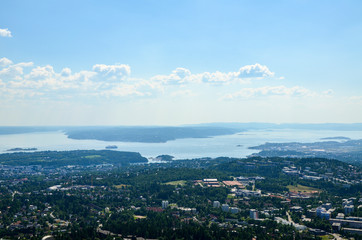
(209, 180)
(254, 214)
(234, 210)
(247, 193)
(336, 226)
(348, 209)
(225, 207)
(296, 209)
(347, 202)
(349, 223)
(327, 206)
(323, 213)
(216, 204)
(326, 215)
(232, 183)
(319, 211)
(164, 204)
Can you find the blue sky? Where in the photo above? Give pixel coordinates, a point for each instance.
(178, 62)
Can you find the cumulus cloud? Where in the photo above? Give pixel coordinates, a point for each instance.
(113, 71)
(115, 81)
(178, 76)
(270, 91)
(5, 62)
(101, 80)
(254, 71)
(244, 75)
(5, 32)
(66, 72)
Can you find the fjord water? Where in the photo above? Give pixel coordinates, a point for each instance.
(235, 145)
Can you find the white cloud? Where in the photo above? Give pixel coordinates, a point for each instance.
(12, 72)
(216, 77)
(116, 81)
(254, 71)
(114, 72)
(5, 33)
(103, 80)
(296, 91)
(244, 75)
(66, 72)
(5, 62)
(178, 76)
(41, 73)
(182, 72)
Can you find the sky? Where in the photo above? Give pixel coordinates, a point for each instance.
(180, 62)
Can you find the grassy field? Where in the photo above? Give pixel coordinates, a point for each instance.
(301, 188)
(231, 196)
(327, 237)
(176, 183)
(122, 186)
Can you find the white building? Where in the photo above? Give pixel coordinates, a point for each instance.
(348, 209)
(210, 180)
(326, 215)
(164, 204)
(225, 207)
(216, 204)
(254, 214)
(234, 210)
(247, 193)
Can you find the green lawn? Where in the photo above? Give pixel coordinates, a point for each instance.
(122, 186)
(176, 183)
(327, 237)
(301, 188)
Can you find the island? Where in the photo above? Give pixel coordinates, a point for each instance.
(147, 134)
(21, 149)
(111, 147)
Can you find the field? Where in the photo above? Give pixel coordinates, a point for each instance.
(176, 183)
(122, 186)
(301, 188)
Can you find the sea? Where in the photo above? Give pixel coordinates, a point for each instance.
(235, 145)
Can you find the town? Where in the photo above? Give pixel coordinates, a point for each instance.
(224, 197)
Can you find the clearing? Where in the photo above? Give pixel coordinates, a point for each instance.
(301, 188)
(176, 183)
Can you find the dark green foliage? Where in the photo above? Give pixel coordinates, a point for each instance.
(64, 158)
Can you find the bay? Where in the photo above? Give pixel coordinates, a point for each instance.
(235, 145)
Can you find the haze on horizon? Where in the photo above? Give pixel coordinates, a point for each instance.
(171, 63)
